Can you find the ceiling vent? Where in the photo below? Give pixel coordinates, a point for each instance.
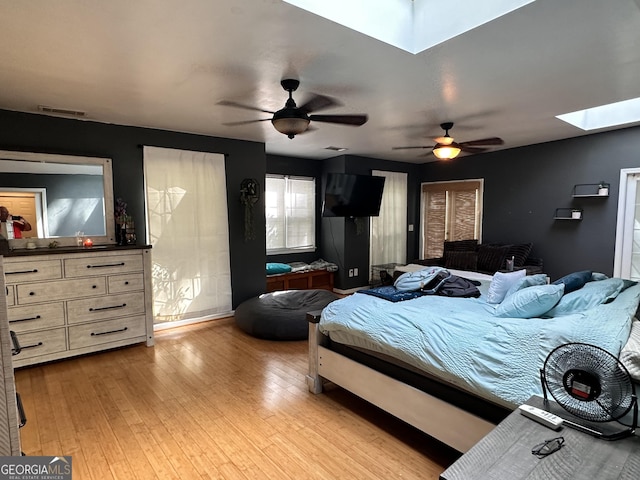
(62, 111)
(335, 149)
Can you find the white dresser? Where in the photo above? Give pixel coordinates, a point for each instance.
(9, 434)
(78, 301)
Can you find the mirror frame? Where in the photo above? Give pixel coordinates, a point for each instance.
(107, 177)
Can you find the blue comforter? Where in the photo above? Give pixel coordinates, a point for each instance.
(461, 341)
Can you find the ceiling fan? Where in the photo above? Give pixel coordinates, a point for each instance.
(446, 148)
(293, 120)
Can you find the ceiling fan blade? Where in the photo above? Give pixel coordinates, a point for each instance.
(483, 142)
(473, 149)
(356, 120)
(228, 103)
(410, 148)
(318, 102)
(245, 122)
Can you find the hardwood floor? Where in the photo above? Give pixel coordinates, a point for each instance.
(209, 401)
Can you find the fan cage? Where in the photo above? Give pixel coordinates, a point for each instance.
(588, 382)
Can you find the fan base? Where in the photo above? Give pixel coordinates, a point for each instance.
(290, 84)
(612, 430)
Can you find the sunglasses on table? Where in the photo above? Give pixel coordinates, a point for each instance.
(548, 447)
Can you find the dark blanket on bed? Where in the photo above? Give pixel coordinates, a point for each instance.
(452, 286)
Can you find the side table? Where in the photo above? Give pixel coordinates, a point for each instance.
(505, 453)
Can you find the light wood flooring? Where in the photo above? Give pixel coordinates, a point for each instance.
(209, 401)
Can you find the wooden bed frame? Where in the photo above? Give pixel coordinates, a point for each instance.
(450, 424)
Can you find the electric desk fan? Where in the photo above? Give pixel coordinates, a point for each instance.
(593, 386)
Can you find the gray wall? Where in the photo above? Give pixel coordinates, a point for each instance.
(346, 241)
(45, 134)
(524, 186)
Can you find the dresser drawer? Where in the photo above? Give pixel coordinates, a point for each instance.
(43, 342)
(102, 265)
(125, 283)
(20, 272)
(35, 317)
(61, 290)
(98, 308)
(107, 331)
(11, 297)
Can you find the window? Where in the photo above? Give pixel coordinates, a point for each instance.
(388, 236)
(290, 214)
(186, 201)
(450, 211)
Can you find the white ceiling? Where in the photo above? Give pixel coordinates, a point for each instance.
(166, 64)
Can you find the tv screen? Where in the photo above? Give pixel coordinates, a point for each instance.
(349, 195)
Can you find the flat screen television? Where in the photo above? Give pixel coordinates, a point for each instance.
(350, 195)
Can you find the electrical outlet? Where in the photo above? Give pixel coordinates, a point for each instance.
(351, 272)
(355, 272)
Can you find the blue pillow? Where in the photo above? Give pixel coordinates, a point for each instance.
(589, 296)
(528, 281)
(597, 276)
(275, 268)
(530, 302)
(574, 281)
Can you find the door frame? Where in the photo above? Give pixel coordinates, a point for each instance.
(629, 178)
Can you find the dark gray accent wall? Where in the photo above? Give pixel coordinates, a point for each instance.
(524, 186)
(123, 144)
(347, 240)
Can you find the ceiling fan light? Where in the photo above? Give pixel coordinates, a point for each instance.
(446, 152)
(291, 126)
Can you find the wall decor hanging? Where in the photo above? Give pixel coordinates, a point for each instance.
(249, 195)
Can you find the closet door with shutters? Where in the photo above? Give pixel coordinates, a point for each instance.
(450, 211)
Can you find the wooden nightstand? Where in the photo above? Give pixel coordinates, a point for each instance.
(505, 453)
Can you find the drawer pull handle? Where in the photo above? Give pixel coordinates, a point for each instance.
(39, 344)
(21, 414)
(121, 264)
(16, 344)
(126, 283)
(94, 286)
(37, 317)
(35, 270)
(107, 308)
(110, 331)
(32, 293)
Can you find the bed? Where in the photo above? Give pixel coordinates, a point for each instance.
(455, 367)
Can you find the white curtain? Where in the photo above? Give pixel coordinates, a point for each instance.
(188, 228)
(389, 230)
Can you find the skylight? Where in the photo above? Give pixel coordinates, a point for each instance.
(412, 25)
(613, 114)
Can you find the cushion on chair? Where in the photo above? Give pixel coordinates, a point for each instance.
(520, 252)
(491, 258)
(461, 260)
(281, 315)
(460, 245)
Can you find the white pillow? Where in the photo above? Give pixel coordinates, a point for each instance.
(501, 284)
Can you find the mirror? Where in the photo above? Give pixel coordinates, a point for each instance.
(59, 195)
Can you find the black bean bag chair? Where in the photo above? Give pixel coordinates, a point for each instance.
(281, 315)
